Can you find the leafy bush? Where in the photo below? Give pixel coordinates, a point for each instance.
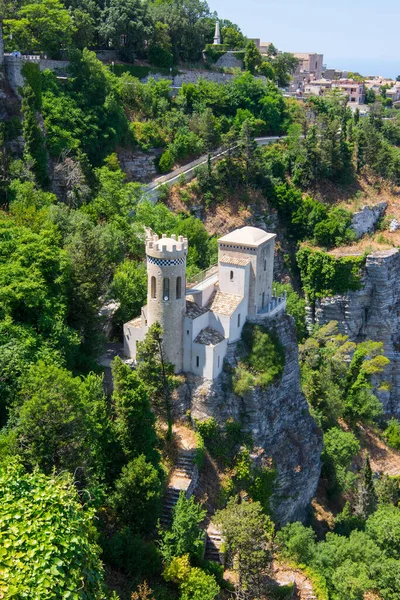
(392, 434)
(47, 549)
(295, 306)
(263, 362)
(340, 447)
(325, 275)
(138, 495)
(129, 552)
(166, 161)
(296, 543)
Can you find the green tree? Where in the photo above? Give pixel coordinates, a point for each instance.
(129, 289)
(34, 140)
(296, 543)
(252, 57)
(383, 526)
(156, 373)
(285, 65)
(233, 37)
(247, 534)
(134, 420)
(84, 28)
(138, 496)
(61, 424)
(185, 535)
(126, 24)
(194, 583)
(48, 548)
(44, 25)
(340, 447)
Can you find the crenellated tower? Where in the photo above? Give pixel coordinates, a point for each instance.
(166, 288)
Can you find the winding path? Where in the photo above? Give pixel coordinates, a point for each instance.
(189, 170)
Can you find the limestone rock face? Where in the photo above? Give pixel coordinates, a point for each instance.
(366, 220)
(373, 313)
(279, 421)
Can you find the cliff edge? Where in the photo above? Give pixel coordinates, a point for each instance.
(278, 420)
(373, 313)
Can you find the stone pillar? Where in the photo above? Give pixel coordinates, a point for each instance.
(166, 292)
(217, 34)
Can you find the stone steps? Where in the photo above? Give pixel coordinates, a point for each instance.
(213, 546)
(184, 469)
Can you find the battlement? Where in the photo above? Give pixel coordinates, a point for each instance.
(166, 247)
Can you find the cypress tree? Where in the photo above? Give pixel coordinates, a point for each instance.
(35, 151)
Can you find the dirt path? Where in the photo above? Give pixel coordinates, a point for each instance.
(284, 575)
(383, 459)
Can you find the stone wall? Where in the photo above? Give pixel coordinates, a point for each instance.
(230, 60)
(139, 166)
(373, 313)
(14, 66)
(278, 420)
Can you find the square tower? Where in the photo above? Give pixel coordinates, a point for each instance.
(255, 247)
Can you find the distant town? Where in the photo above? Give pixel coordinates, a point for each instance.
(313, 78)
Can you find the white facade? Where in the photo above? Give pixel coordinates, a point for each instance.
(200, 322)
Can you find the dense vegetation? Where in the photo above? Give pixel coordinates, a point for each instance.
(72, 234)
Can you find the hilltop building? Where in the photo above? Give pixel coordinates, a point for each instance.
(310, 68)
(202, 318)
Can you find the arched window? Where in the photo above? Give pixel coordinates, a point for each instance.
(166, 288)
(153, 287)
(231, 276)
(178, 288)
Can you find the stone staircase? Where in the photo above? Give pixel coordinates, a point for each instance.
(183, 479)
(213, 545)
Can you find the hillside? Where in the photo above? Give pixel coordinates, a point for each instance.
(121, 478)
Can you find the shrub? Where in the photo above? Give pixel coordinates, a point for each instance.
(137, 496)
(296, 543)
(166, 162)
(263, 362)
(392, 434)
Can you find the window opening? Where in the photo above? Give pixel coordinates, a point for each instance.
(166, 288)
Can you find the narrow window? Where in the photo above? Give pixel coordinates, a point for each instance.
(265, 265)
(153, 287)
(239, 320)
(218, 361)
(178, 288)
(263, 300)
(231, 276)
(197, 361)
(166, 288)
(187, 331)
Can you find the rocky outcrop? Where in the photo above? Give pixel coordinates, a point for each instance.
(373, 313)
(139, 166)
(366, 220)
(279, 421)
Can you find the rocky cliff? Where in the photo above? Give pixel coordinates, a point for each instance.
(279, 421)
(373, 313)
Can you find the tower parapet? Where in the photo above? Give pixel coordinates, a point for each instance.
(166, 287)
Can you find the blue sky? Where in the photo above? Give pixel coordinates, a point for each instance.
(354, 34)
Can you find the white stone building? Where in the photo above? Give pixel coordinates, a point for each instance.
(202, 318)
